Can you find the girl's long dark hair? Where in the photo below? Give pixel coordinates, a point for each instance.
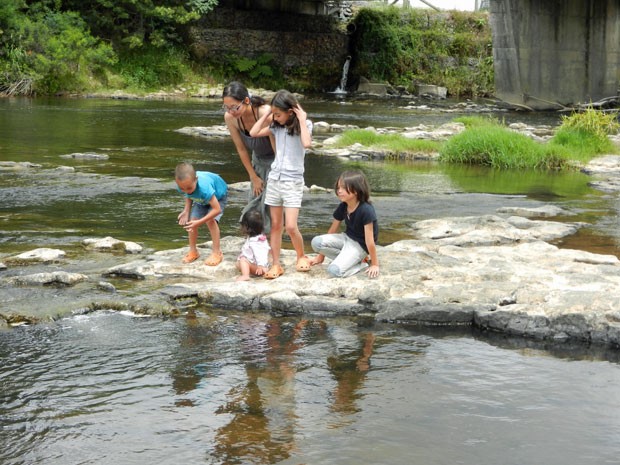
(355, 181)
(285, 101)
(239, 92)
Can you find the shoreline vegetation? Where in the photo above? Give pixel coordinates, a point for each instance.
(488, 142)
(70, 47)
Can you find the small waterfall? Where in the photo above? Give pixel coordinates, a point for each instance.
(342, 89)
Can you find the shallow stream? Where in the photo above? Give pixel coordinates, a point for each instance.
(235, 388)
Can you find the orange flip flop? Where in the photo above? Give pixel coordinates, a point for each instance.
(303, 264)
(274, 272)
(191, 257)
(214, 259)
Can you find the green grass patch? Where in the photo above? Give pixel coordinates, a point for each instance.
(486, 142)
(395, 143)
(582, 146)
(499, 147)
(585, 134)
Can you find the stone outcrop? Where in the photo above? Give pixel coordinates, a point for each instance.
(109, 244)
(497, 273)
(492, 272)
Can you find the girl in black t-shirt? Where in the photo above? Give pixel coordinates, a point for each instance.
(352, 250)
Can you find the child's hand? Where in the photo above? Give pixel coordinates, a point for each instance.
(182, 218)
(372, 271)
(190, 226)
(300, 113)
(260, 270)
(317, 260)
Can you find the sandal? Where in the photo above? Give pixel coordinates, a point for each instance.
(274, 272)
(214, 259)
(191, 257)
(303, 264)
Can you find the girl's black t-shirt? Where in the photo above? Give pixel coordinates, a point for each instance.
(355, 222)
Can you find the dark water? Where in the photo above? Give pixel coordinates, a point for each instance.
(239, 389)
(227, 388)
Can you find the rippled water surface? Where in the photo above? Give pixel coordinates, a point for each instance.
(131, 196)
(228, 388)
(108, 388)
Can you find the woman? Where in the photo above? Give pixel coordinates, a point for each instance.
(242, 111)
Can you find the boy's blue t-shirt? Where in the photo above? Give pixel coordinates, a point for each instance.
(208, 185)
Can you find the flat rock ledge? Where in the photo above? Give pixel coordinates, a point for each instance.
(497, 274)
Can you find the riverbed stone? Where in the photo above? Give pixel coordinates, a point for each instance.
(86, 156)
(491, 229)
(54, 277)
(110, 244)
(544, 211)
(17, 165)
(503, 278)
(40, 255)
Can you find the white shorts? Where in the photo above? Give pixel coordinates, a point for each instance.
(284, 193)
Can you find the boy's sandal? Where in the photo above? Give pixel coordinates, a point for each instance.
(274, 272)
(214, 259)
(303, 264)
(191, 257)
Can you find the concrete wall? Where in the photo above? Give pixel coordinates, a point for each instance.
(296, 40)
(550, 52)
(308, 7)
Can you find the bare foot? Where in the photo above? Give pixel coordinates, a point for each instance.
(242, 278)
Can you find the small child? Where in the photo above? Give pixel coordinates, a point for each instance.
(349, 250)
(206, 195)
(254, 256)
(290, 132)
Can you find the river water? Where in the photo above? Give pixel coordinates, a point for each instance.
(236, 388)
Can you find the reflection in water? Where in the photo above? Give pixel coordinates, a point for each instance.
(225, 389)
(350, 370)
(260, 407)
(263, 409)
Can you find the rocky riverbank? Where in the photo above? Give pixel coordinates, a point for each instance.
(496, 272)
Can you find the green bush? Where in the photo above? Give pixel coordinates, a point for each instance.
(261, 71)
(410, 46)
(151, 68)
(50, 52)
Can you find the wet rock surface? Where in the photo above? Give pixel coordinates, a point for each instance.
(495, 272)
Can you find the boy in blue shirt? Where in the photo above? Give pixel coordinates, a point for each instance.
(205, 199)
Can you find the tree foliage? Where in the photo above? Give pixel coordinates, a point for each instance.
(135, 23)
(51, 45)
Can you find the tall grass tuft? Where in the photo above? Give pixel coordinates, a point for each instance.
(499, 147)
(585, 134)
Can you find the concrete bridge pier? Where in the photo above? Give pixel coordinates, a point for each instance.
(555, 53)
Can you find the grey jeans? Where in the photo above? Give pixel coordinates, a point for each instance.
(345, 253)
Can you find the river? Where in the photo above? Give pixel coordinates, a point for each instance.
(237, 388)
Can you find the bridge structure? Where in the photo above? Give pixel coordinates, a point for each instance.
(554, 54)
